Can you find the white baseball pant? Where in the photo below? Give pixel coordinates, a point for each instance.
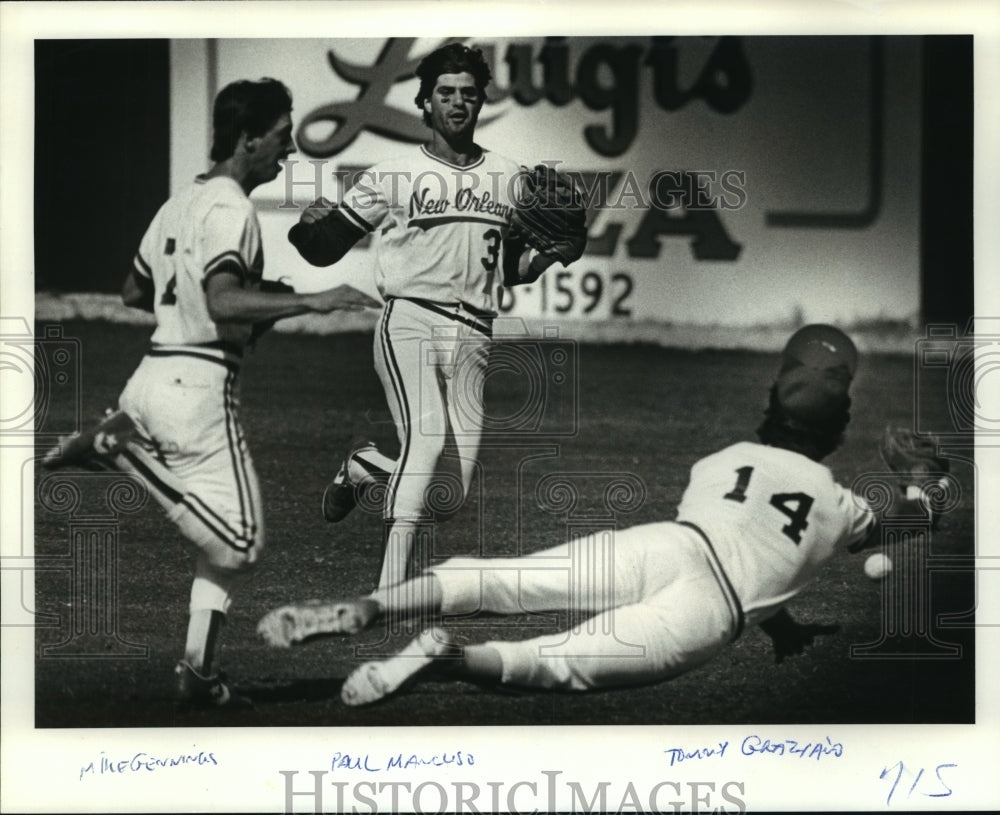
(658, 601)
(194, 456)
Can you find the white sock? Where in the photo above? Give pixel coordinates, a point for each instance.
(376, 680)
(211, 589)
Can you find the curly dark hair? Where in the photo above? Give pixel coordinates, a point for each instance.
(247, 107)
(816, 439)
(453, 58)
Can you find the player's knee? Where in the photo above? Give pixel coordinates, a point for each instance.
(524, 667)
(236, 556)
(224, 549)
(434, 492)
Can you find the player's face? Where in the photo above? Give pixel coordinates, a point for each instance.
(454, 105)
(273, 147)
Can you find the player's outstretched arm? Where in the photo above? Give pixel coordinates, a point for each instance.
(230, 301)
(341, 298)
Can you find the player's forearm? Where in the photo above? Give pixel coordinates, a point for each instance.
(525, 267)
(249, 306)
(872, 538)
(913, 505)
(323, 242)
(138, 292)
(536, 264)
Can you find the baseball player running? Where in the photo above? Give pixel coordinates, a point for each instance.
(441, 217)
(752, 529)
(198, 270)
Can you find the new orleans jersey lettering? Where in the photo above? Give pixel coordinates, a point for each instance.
(441, 227)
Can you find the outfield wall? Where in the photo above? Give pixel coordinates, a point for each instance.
(879, 338)
(788, 167)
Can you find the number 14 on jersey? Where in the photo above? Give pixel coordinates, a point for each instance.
(794, 506)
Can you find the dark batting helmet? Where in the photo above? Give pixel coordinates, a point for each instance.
(809, 406)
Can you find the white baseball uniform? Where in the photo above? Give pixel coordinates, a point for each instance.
(752, 528)
(439, 258)
(184, 396)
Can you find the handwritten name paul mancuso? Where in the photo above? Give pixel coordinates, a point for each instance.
(400, 761)
(146, 763)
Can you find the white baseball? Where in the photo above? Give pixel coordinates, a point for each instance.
(877, 566)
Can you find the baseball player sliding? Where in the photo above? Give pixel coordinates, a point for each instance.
(752, 529)
(444, 250)
(198, 270)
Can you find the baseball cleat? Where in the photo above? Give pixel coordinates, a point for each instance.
(191, 689)
(287, 625)
(341, 494)
(376, 680)
(92, 449)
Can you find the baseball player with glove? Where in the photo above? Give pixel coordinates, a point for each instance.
(918, 459)
(198, 270)
(754, 526)
(449, 236)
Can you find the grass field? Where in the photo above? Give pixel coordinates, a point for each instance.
(642, 410)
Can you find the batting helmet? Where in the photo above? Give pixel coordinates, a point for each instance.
(821, 347)
(809, 401)
(817, 366)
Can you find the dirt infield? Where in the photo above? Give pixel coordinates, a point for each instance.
(644, 412)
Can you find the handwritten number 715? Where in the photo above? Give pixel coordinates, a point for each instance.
(899, 768)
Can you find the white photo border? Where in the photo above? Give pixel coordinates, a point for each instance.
(40, 767)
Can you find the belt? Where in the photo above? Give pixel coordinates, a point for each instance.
(227, 354)
(480, 322)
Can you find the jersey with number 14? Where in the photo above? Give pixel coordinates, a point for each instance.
(440, 227)
(207, 227)
(773, 517)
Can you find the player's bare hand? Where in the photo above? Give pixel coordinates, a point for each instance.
(341, 298)
(317, 211)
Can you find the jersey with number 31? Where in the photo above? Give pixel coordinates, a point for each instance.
(206, 227)
(773, 517)
(440, 226)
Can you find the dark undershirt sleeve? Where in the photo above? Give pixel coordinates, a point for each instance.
(324, 242)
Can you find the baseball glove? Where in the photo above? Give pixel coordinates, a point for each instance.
(904, 451)
(550, 215)
(262, 327)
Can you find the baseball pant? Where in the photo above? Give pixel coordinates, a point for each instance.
(432, 361)
(194, 456)
(658, 606)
